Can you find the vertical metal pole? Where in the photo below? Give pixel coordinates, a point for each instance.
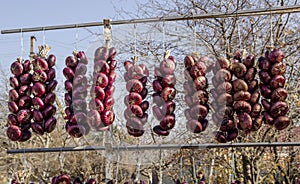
(212, 166)
(32, 42)
(233, 166)
(160, 167)
(107, 32)
(194, 170)
(108, 163)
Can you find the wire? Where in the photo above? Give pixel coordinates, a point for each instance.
(76, 38)
(271, 28)
(44, 36)
(21, 44)
(163, 36)
(135, 39)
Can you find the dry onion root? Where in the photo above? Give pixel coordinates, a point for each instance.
(76, 85)
(136, 77)
(272, 70)
(165, 92)
(196, 96)
(222, 105)
(101, 114)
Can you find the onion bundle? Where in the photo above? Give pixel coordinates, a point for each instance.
(246, 94)
(43, 87)
(76, 85)
(136, 77)
(223, 101)
(19, 105)
(101, 113)
(31, 99)
(165, 92)
(271, 74)
(64, 178)
(196, 94)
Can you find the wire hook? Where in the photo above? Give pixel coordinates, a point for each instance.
(76, 37)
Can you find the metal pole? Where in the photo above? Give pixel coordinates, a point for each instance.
(253, 12)
(155, 147)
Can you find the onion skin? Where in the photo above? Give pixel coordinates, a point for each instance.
(252, 85)
(14, 82)
(242, 106)
(225, 99)
(101, 80)
(239, 85)
(167, 66)
(71, 62)
(38, 89)
(224, 87)
(14, 133)
(221, 137)
(94, 118)
(223, 75)
(281, 122)
(13, 107)
(245, 121)
(227, 124)
(264, 64)
(198, 112)
(168, 93)
(51, 86)
(16, 68)
(24, 102)
(25, 79)
(157, 112)
(250, 74)
(200, 97)
(157, 129)
(37, 128)
(256, 109)
(50, 124)
(199, 69)
(266, 91)
(278, 69)
(279, 94)
(134, 85)
(267, 118)
(276, 56)
(242, 95)
(249, 61)
(266, 104)
(279, 109)
(238, 69)
(51, 60)
(223, 63)
(157, 87)
(27, 66)
(188, 62)
(277, 81)
(264, 77)
(254, 97)
(107, 117)
(200, 83)
(169, 107)
(168, 122)
(194, 126)
(13, 95)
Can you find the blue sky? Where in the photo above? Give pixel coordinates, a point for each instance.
(33, 13)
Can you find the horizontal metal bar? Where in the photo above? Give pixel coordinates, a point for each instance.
(155, 147)
(253, 12)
